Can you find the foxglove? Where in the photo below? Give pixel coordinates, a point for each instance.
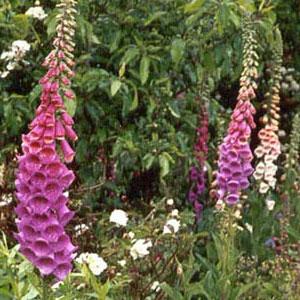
(268, 150)
(235, 156)
(197, 172)
(42, 177)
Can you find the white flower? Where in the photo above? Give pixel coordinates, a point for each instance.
(82, 258)
(122, 262)
(4, 74)
(119, 217)
(11, 65)
(172, 226)
(56, 285)
(66, 194)
(131, 235)
(7, 55)
(6, 200)
(237, 214)
(249, 227)
(95, 263)
(170, 202)
(140, 248)
(175, 213)
(155, 286)
(36, 12)
(80, 229)
(270, 204)
(20, 46)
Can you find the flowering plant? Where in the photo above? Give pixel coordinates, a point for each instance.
(42, 177)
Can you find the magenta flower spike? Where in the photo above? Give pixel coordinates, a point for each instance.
(235, 156)
(42, 177)
(197, 172)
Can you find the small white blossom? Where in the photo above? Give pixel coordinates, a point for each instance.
(95, 263)
(56, 285)
(66, 194)
(170, 202)
(20, 47)
(119, 217)
(140, 248)
(238, 227)
(122, 262)
(6, 199)
(172, 226)
(80, 229)
(4, 74)
(36, 12)
(82, 258)
(7, 55)
(131, 235)
(249, 227)
(155, 286)
(237, 214)
(11, 65)
(175, 213)
(270, 204)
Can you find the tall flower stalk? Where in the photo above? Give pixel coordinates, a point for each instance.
(268, 150)
(42, 177)
(197, 172)
(234, 153)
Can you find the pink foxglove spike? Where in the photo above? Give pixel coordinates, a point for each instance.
(42, 176)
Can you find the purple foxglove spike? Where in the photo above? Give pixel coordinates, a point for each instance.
(197, 173)
(42, 177)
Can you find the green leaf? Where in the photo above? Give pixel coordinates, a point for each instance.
(71, 106)
(129, 55)
(148, 160)
(177, 50)
(173, 108)
(21, 24)
(171, 292)
(193, 6)
(154, 17)
(51, 24)
(115, 86)
(164, 163)
(135, 101)
(144, 69)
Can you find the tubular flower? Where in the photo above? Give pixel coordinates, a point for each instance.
(42, 176)
(197, 172)
(234, 165)
(268, 150)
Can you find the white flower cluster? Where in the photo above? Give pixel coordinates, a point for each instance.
(119, 217)
(15, 56)
(140, 248)
(270, 204)
(95, 263)
(36, 12)
(171, 226)
(80, 229)
(5, 200)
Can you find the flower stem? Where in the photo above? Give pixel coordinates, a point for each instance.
(45, 295)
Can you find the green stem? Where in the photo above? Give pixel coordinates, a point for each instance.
(45, 295)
